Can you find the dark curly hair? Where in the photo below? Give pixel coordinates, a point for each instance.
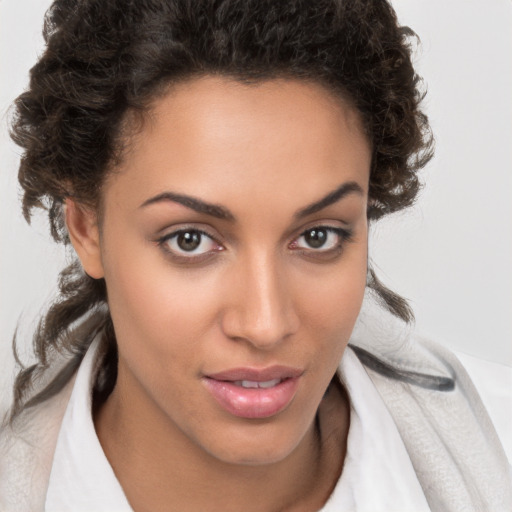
(107, 58)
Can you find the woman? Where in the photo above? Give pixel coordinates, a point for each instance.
(215, 167)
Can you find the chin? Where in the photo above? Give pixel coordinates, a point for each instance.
(260, 445)
(255, 457)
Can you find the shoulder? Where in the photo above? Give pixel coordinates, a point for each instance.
(439, 414)
(26, 453)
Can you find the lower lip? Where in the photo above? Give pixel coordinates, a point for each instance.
(253, 403)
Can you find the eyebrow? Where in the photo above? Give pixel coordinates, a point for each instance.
(350, 187)
(220, 212)
(193, 203)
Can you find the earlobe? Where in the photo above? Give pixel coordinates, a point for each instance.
(83, 231)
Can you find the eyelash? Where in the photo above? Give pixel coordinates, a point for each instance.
(344, 235)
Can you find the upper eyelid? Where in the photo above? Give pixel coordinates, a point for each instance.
(326, 224)
(166, 234)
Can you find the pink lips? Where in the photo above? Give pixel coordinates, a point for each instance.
(251, 393)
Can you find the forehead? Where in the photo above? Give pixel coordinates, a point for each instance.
(214, 137)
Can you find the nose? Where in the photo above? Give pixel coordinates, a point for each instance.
(261, 306)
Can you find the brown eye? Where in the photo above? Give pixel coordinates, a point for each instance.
(315, 237)
(321, 239)
(189, 242)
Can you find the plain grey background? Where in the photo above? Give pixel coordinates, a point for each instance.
(450, 255)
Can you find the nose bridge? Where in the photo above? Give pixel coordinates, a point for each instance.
(262, 310)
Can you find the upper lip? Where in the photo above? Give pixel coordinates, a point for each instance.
(257, 374)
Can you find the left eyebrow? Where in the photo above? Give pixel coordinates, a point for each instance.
(350, 187)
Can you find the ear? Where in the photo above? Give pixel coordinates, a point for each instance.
(82, 224)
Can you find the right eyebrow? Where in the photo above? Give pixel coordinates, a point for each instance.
(193, 203)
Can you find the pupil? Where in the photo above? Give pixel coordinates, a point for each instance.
(316, 237)
(189, 240)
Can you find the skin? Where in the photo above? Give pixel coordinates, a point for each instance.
(255, 294)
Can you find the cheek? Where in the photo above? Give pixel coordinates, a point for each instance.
(334, 296)
(332, 305)
(158, 312)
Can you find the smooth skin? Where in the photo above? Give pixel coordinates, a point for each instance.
(223, 244)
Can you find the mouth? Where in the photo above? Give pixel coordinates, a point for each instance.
(254, 394)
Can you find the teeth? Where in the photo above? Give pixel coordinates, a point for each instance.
(248, 384)
(254, 384)
(269, 383)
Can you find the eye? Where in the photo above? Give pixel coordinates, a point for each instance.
(189, 243)
(321, 239)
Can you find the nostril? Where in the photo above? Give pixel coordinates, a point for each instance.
(261, 331)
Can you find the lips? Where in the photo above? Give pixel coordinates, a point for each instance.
(251, 393)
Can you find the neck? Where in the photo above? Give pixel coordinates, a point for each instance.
(157, 464)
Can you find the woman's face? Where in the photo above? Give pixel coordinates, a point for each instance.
(234, 248)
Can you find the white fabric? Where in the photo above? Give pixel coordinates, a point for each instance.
(377, 475)
(452, 443)
(494, 384)
(81, 479)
